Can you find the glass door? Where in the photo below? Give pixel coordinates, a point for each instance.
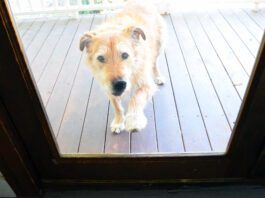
(198, 123)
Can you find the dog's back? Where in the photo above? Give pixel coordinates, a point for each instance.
(140, 14)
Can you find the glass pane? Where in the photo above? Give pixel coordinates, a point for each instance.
(206, 65)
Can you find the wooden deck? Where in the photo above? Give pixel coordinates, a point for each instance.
(207, 64)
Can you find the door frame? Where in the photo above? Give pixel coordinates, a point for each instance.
(259, 170)
(14, 161)
(29, 127)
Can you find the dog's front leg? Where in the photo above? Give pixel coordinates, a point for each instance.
(117, 125)
(135, 118)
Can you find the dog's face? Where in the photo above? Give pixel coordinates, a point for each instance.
(111, 57)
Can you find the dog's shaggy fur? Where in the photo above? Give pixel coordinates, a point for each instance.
(122, 54)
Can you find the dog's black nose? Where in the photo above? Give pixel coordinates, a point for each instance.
(118, 86)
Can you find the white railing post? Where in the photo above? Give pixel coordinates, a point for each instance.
(105, 3)
(79, 5)
(42, 7)
(30, 5)
(91, 3)
(67, 4)
(55, 4)
(18, 5)
(256, 5)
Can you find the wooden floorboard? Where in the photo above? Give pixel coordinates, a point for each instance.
(62, 89)
(41, 60)
(24, 26)
(145, 140)
(54, 66)
(116, 143)
(206, 65)
(242, 32)
(71, 117)
(249, 23)
(211, 109)
(93, 133)
(230, 61)
(257, 17)
(191, 122)
(169, 135)
(221, 81)
(31, 32)
(226, 92)
(39, 39)
(240, 49)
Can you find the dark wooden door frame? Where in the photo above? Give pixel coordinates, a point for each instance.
(14, 162)
(259, 170)
(28, 122)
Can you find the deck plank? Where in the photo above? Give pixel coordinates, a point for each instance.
(212, 111)
(39, 39)
(62, 88)
(262, 12)
(74, 122)
(71, 94)
(24, 26)
(169, 135)
(94, 131)
(42, 58)
(257, 17)
(73, 117)
(232, 65)
(252, 27)
(238, 47)
(19, 22)
(246, 37)
(226, 92)
(116, 143)
(191, 123)
(30, 34)
(145, 141)
(54, 66)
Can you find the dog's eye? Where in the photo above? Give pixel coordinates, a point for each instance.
(124, 55)
(101, 59)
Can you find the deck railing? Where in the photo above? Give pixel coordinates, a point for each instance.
(31, 7)
(38, 7)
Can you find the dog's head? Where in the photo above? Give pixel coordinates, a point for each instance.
(111, 56)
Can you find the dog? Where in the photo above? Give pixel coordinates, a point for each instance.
(121, 54)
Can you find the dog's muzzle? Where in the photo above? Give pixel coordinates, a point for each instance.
(118, 86)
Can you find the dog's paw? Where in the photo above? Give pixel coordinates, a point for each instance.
(135, 122)
(116, 127)
(160, 80)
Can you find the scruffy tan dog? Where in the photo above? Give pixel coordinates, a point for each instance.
(121, 54)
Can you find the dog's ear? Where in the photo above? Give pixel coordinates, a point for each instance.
(135, 33)
(85, 40)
